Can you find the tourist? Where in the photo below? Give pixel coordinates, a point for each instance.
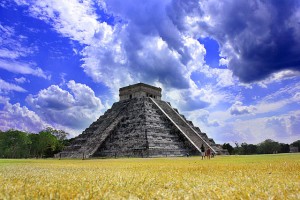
(208, 153)
(202, 151)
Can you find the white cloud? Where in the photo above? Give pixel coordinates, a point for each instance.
(282, 128)
(279, 77)
(6, 31)
(276, 101)
(126, 52)
(15, 116)
(75, 109)
(223, 61)
(239, 109)
(53, 98)
(10, 87)
(21, 80)
(270, 117)
(203, 118)
(22, 68)
(4, 53)
(11, 44)
(71, 18)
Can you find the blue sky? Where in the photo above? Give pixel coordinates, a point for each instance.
(232, 67)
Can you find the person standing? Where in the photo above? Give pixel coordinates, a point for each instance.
(202, 151)
(208, 153)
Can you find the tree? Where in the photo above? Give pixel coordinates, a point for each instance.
(248, 149)
(268, 146)
(47, 144)
(34, 146)
(14, 144)
(237, 149)
(296, 144)
(59, 134)
(61, 137)
(228, 147)
(284, 148)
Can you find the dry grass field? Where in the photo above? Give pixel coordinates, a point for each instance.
(223, 177)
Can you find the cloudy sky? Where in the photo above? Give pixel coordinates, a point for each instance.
(232, 67)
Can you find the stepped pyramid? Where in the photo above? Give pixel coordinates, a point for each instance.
(140, 125)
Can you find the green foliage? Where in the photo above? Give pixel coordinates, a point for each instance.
(18, 144)
(248, 149)
(268, 147)
(284, 148)
(228, 147)
(296, 144)
(59, 134)
(14, 144)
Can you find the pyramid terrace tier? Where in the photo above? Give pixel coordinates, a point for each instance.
(139, 127)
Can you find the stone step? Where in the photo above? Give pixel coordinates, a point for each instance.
(182, 125)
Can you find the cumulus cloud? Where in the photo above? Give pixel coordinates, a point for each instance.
(15, 116)
(75, 109)
(137, 56)
(53, 98)
(137, 47)
(239, 109)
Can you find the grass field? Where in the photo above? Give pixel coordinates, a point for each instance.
(223, 177)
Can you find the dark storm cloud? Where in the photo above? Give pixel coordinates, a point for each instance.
(260, 37)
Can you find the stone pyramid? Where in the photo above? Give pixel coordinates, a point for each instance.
(140, 125)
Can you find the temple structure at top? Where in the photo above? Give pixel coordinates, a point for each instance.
(139, 90)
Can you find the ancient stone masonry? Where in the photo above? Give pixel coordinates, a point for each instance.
(139, 90)
(140, 125)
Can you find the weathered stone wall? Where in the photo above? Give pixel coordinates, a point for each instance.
(134, 128)
(144, 132)
(138, 91)
(128, 138)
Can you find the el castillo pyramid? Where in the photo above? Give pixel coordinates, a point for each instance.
(140, 125)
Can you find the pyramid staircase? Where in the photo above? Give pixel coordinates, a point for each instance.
(181, 123)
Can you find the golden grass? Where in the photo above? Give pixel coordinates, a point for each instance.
(224, 177)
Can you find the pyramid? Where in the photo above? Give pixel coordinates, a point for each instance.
(140, 125)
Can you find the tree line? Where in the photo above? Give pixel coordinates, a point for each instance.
(266, 147)
(46, 143)
(19, 144)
